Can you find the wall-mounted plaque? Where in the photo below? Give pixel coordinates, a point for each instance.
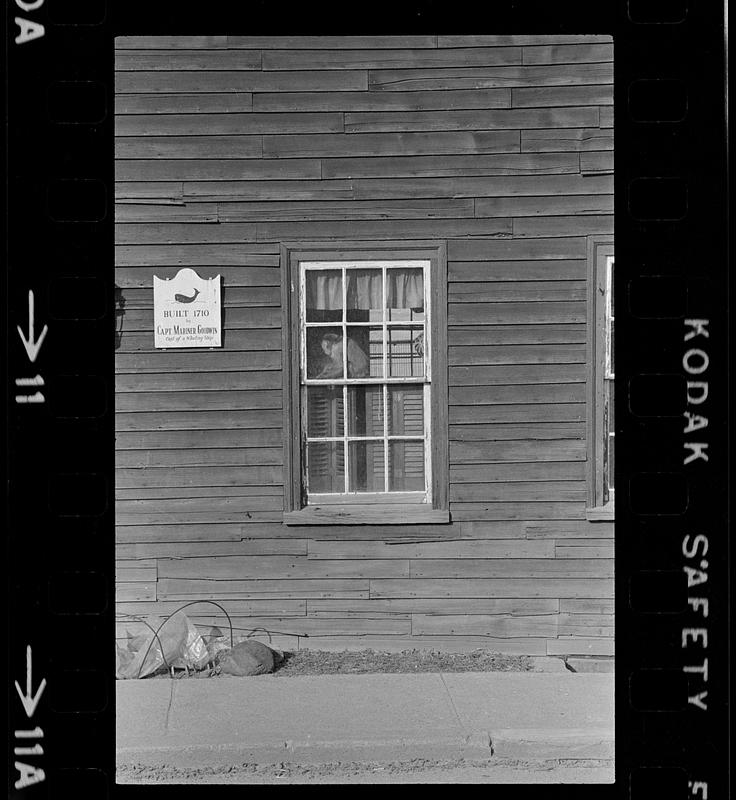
(187, 311)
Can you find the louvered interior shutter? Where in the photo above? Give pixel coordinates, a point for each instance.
(326, 462)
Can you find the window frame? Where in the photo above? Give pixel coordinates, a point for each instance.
(600, 295)
(386, 509)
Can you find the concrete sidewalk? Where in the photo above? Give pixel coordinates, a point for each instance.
(267, 719)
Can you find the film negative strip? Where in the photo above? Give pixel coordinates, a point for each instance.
(669, 299)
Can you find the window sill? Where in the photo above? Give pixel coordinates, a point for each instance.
(600, 513)
(368, 514)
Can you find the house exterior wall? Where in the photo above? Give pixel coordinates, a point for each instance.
(501, 147)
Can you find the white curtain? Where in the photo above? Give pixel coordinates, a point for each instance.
(404, 289)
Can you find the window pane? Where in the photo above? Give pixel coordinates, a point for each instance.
(406, 466)
(611, 425)
(325, 416)
(405, 294)
(366, 468)
(406, 410)
(365, 410)
(324, 295)
(325, 467)
(611, 452)
(364, 295)
(324, 353)
(405, 352)
(365, 352)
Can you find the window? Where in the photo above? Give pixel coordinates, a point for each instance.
(601, 418)
(366, 387)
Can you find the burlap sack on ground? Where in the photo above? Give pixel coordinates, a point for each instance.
(250, 657)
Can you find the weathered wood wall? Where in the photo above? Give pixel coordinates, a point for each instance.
(227, 146)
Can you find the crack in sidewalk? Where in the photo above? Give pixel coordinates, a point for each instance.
(454, 708)
(168, 708)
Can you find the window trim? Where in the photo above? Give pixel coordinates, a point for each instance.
(600, 249)
(296, 510)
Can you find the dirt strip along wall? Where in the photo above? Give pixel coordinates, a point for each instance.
(227, 146)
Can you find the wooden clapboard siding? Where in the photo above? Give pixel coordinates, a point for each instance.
(593, 551)
(402, 605)
(508, 473)
(580, 646)
(536, 492)
(152, 550)
(243, 169)
(551, 370)
(240, 81)
(123, 43)
(482, 361)
(187, 381)
(586, 606)
(230, 124)
(499, 510)
(501, 147)
(196, 491)
(507, 568)
(398, 80)
(392, 144)
(477, 624)
(503, 119)
(569, 530)
(371, 188)
(472, 335)
(186, 589)
(547, 40)
(567, 54)
(561, 96)
(389, 59)
(451, 548)
(135, 574)
(560, 141)
(193, 401)
(540, 411)
(304, 626)
(380, 101)
(203, 609)
(474, 313)
(494, 451)
(132, 592)
(453, 165)
(146, 257)
(516, 394)
(544, 206)
(187, 362)
(497, 588)
(231, 456)
(298, 211)
(184, 60)
(183, 104)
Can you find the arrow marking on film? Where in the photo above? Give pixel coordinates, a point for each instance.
(32, 346)
(28, 699)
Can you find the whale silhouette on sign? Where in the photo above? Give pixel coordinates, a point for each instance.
(182, 298)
